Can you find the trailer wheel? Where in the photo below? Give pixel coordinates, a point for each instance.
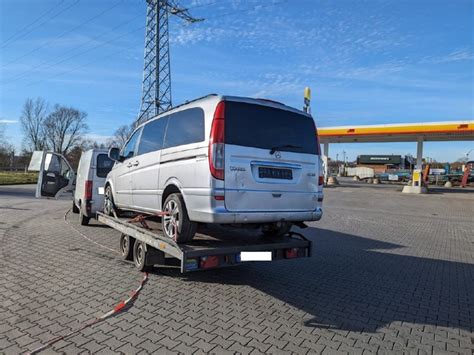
(139, 256)
(126, 246)
(83, 219)
(176, 223)
(74, 207)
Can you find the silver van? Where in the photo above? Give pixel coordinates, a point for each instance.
(92, 171)
(220, 159)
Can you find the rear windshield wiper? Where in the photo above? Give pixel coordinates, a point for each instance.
(279, 147)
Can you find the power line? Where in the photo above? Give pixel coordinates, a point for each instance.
(93, 39)
(33, 22)
(127, 33)
(32, 69)
(256, 7)
(88, 63)
(65, 33)
(42, 23)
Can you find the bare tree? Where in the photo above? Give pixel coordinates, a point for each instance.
(7, 150)
(121, 136)
(64, 128)
(32, 122)
(2, 133)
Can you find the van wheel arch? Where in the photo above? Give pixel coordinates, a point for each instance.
(170, 189)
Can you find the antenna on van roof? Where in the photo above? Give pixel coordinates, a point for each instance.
(156, 84)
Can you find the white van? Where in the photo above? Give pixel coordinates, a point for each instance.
(221, 159)
(93, 168)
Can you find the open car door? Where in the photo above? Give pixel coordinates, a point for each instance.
(55, 174)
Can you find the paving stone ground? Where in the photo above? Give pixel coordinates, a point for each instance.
(389, 273)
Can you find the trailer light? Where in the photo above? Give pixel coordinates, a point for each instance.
(208, 262)
(291, 253)
(191, 264)
(219, 198)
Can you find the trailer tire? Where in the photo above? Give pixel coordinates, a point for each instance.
(177, 225)
(139, 256)
(75, 209)
(126, 246)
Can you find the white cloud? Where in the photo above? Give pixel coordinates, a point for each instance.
(3, 121)
(99, 138)
(454, 56)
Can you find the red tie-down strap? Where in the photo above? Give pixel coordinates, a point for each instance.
(118, 308)
(142, 219)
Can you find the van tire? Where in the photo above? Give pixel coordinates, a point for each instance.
(186, 229)
(75, 209)
(273, 231)
(83, 219)
(109, 205)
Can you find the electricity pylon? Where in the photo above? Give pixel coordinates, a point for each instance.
(156, 85)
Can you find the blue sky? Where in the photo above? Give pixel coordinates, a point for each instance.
(367, 62)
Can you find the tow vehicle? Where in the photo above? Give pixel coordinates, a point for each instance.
(144, 242)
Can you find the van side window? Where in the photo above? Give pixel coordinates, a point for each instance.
(129, 150)
(104, 165)
(152, 136)
(185, 127)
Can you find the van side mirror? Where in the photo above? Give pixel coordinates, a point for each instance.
(114, 154)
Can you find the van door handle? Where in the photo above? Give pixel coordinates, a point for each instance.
(129, 165)
(136, 163)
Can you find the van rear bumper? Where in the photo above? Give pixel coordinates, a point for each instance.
(221, 215)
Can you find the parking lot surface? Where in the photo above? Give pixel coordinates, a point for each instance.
(390, 272)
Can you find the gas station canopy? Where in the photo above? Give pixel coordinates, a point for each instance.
(399, 132)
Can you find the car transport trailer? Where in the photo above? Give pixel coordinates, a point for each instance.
(212, 247)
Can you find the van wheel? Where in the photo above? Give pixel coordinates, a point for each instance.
(139, 256)
(74, 207)
(276, 230)
(83, 219)
(126, 246)
(176, 223)
(109, 205)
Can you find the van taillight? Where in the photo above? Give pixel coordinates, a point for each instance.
(88, 192)
(321, 180)
(216, 143)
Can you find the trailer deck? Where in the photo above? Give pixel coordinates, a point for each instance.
(212, 247)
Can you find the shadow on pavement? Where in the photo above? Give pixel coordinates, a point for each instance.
(359, 284)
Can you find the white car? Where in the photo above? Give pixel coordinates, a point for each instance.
(221, 159)
(93, 168)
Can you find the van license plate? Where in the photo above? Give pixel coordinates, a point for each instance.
(273, 173)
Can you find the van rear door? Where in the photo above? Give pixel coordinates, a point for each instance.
(271, 159)
(55, 174)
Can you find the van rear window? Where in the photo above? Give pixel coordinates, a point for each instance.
(104, 165)
(258, 126)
